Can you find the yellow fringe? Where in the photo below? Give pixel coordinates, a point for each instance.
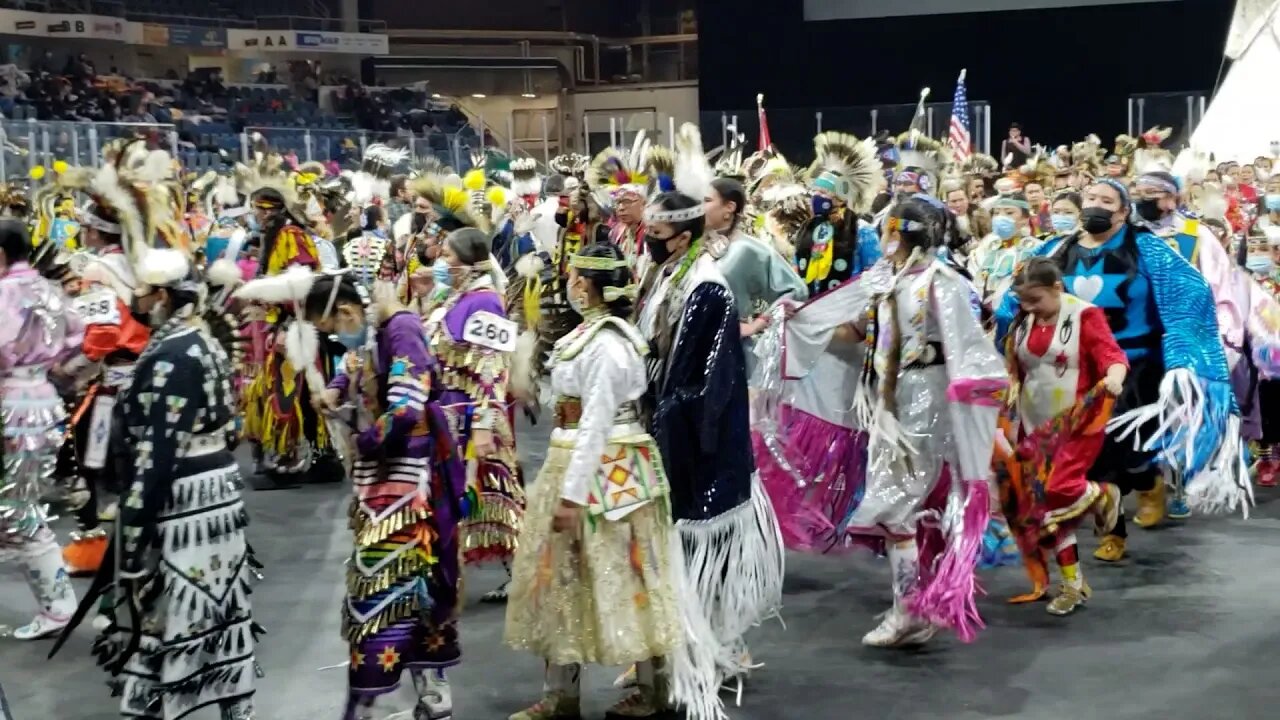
(414, 562)
(368, 533)
(398, 611)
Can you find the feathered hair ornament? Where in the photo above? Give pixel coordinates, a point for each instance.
(570, 165)
(693, 175)
(524, 177)
(455, 200)
(845, 167)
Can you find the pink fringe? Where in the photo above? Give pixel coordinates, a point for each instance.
(949, 586)
(812, 516)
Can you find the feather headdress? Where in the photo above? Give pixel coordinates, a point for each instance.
(455, 203)
(845, 167)
(615, 171)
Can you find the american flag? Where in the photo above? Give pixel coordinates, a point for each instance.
(959, 139)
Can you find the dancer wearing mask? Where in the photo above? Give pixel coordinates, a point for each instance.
(409, 485)
(837, 243)
(1160, 311)
(697, 410)
(40, 329)
(1267, 470)
(930, 372)
(1065, 217)
(1067, 365)
(472, 339)
(1156, 207)
(1011, 241)
(182, 636)
(594, 578)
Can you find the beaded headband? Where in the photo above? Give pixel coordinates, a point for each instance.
(583, 262)
(1158, 182)
(902, 224)
(654, 214)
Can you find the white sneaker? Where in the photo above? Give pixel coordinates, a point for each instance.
(899, 629)
(42, 627)
(100, 622)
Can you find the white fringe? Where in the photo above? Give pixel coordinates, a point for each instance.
(1181, 404)
(730, 579)
(1224, 484)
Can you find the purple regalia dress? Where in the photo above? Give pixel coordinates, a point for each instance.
(474, 396)
(402, 582)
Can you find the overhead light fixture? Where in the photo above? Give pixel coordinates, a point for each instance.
(435, 96)
(478, 96)
(529, 95)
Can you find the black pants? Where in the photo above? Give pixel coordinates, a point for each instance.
(1120, 462)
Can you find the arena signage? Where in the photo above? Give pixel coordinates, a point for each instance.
(33, 24)
(307, 42)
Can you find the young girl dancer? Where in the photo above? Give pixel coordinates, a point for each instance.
(1069, 367)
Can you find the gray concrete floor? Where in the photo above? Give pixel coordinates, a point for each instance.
(1185, 629)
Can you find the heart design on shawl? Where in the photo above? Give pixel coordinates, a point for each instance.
(1087, 287)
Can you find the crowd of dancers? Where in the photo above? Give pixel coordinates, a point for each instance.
(944, 363)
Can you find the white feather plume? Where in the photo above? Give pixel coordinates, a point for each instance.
(292, 284)
(639, 152)
(693, 174)
(529, 265)
(301, 347)
(523, 382)
(163, 266)
(223, 273)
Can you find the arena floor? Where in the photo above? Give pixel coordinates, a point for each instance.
(1184, 629)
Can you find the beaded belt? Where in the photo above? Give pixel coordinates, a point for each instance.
(118, 376)
(569, 413)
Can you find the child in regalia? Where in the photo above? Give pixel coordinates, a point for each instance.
(1069, 368)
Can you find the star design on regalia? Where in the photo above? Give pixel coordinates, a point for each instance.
(388, 658)
(434, 642)
(357, 659)
(1101, 289)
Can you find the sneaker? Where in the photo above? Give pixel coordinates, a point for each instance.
(43, 626)
(555, 706)
(1178, 509)
(1069, 599)
(1112, 549)
(899, 629)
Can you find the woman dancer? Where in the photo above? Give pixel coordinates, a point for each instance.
(698, 410)
(403, 578)
(40, 328)
(472, 339)
(930, 371)
(594, 579)
(1062, 354)
(1065, 217)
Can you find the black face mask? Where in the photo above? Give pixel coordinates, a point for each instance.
(658, 248)
(1149, 210)
(419, 222)
(562, 218)
(1095, 220)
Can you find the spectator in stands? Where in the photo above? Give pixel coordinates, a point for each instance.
(400, 199)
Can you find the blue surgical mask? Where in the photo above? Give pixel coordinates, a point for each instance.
(821, 206)
(1259, 263)
(1063, 222)
(1004, 226)
(1273, 201)
(440, 271)
(252, 219)
(354, 340)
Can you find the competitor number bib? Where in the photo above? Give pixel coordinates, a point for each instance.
(491, 331)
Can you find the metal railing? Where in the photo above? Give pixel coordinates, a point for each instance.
(792, 130)
(28, 144)
(1181, 112)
